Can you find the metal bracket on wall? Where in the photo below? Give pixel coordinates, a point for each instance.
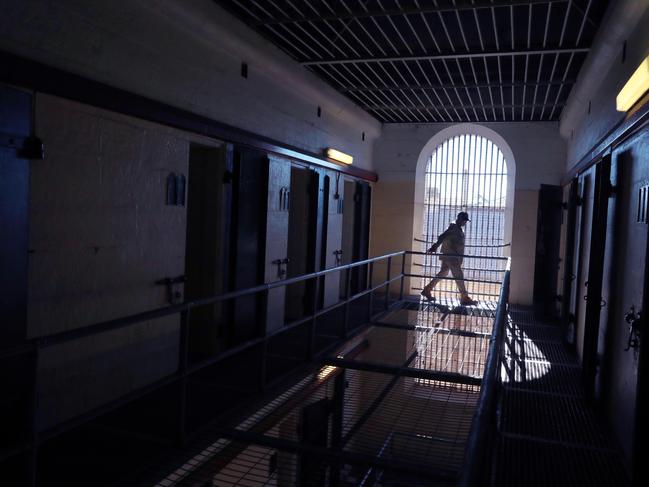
(176, 189)
(633, 319)
(284, 199)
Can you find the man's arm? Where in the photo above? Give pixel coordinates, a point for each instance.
(440, 239)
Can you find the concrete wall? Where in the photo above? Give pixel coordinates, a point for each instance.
(603, 75)
(188, 53)
(539, 154)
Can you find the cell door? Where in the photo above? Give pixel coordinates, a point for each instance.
(547, 247)
(334, 252)
(627, 289)
(248, 244)
(568, 271)
(279, 202)
(587, 194)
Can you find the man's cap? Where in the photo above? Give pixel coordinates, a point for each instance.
(463, 215)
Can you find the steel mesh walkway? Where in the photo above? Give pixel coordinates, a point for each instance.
(547, 433)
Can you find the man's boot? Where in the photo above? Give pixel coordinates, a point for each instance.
(426, 292)
(465, 300)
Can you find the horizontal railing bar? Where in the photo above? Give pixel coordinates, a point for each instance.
(465, 279)
(447, 291)
(436, 329)
(467, 256)
(477, 269)
(405, 371)
(335, 455)
(109, 325)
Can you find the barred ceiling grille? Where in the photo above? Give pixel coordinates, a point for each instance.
(436, 60)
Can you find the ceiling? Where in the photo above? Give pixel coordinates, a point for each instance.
(406, 61)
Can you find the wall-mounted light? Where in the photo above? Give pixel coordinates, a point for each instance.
(633, 90)
(336, 155)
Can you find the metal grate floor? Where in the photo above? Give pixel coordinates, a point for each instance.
(547, 433)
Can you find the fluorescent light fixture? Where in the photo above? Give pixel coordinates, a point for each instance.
(336, 155)
(637, 85)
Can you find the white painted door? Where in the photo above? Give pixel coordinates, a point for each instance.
(279, 184)
(334, 237)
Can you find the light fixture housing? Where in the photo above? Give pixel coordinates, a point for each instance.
(339, 156)
(633, 90)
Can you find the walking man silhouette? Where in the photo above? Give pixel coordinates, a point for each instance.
(452, 244)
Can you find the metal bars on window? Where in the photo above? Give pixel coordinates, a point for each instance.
(466, 173)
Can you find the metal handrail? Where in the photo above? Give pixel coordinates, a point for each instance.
(466, 256)
(484, 418)
(113, 324)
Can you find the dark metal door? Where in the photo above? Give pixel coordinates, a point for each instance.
(360, 251)
(626, 295)
(569, 253)
(15, 126)
(547, 247)
(585, 220)
(207, 245)
(248, 231)
(593, 295)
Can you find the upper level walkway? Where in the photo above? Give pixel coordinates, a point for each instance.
(381, 388)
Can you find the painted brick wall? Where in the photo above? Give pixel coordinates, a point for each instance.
(188, 53)
(100, 236)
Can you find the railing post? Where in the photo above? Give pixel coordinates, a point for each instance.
(348, 286)
(387, 285)
(263, 366)
(314, 318)
(403, 278)
(370, 304)
(183, 361)
(33, 425)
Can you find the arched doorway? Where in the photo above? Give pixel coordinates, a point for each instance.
(470, 168)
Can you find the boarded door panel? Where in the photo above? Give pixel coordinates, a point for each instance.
(627, 282)
(279, 185)
(101, 235)
(334, 237)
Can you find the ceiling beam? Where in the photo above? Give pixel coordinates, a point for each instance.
(437, 57)
(461, 5)
(356, 89)
(452, 107)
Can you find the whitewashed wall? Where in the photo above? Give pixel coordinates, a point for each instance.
(603, 75)
(188, 53)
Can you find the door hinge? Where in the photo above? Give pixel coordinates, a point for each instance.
(30, 147)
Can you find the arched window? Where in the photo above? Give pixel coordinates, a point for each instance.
(467, 172)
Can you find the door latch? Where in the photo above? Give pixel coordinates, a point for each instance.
(281, 266)
(173, 294)
(339, 256)
(633, 319)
